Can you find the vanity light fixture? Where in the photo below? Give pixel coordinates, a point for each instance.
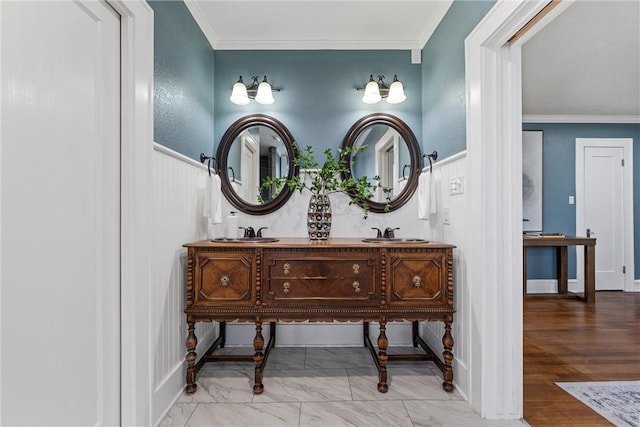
(262, 92)
(375, 91)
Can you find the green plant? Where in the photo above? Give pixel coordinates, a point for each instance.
(326, 179)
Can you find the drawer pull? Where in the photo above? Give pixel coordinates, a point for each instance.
(287, 268)
(417, 281)
(356, 287)
(356, 269)
(285, 287)
(224, 281)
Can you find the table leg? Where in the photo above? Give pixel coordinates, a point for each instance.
(590, 273)
(562, 269)
(383, 343)
(524, 270)
(258, 357)
(191, 343)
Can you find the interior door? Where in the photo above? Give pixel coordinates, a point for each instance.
(602, 208)
(60, 224)
(250, 168)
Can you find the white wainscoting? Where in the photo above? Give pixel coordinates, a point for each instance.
(178, 189)
(176, 207)
(455, 233)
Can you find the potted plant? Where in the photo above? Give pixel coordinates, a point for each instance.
(322, 180)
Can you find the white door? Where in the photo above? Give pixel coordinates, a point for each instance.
(60, 226)
(250, 168)
(600, 208)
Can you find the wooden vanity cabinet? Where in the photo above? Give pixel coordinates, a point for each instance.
(339, 279)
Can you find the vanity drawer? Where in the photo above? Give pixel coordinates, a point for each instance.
(417, 278)
(223, 278)
(321, 278)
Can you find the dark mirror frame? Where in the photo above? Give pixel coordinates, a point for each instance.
(414, 155)
(227, 141)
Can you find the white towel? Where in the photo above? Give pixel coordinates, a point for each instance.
(426, 195)
(212, 207)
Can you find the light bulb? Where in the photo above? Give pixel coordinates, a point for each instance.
(371, 93)
(264, 94)
(396, 93)
(239, 94)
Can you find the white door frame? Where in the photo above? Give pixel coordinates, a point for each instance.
(494, 263)
(137, 149)
(627, 145)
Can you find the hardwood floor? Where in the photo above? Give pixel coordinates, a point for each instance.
(568, 341)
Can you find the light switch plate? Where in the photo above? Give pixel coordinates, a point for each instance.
(445, 216)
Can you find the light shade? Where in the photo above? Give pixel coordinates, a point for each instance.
(396, 92)
(371, 93)
(239, 94)
(264, 94)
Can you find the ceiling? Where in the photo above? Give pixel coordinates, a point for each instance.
(583, 66)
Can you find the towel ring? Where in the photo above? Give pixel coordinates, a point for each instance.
(432, 157)
(405, 168)
(209, 160)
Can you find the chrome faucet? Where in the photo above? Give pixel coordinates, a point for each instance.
(389, 233)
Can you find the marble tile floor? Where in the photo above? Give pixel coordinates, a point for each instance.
(318, 386)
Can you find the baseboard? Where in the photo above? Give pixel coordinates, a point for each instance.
(308, 334)
(550, 286)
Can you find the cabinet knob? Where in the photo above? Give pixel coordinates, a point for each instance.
(224, 281)
(356, 287)
(287, 268)
(356, 269)
(285, 287)
(417, 281)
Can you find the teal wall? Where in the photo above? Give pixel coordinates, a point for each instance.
(443, 84)
(183, 81)
(559, 182)
(318, 101)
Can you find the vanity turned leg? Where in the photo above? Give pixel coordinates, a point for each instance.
(223, 333)
(447, 341)
(191, 343)
(258, 358)
(365, 332)
(383, 343)
(414, 332)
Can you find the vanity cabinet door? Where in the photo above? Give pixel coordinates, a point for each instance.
(223, 278)
(336, 278)
(417, 278)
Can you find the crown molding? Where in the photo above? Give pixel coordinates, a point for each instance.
(623, 119)
(316, 45)
(203, 23)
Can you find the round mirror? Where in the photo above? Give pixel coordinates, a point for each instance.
(253, 149)
(383, 148)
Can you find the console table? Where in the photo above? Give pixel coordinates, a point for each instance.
(561, 243)
(295, 279)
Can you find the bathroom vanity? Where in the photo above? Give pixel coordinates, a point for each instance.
(295, 279)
